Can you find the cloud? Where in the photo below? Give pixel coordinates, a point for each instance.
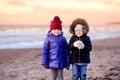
(14, 7)
(16, 3)
(77, 4)
(28, 6)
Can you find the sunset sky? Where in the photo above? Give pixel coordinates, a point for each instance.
(43, 11)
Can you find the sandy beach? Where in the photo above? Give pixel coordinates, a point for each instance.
(25, 64)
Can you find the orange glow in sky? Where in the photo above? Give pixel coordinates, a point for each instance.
(42, 11)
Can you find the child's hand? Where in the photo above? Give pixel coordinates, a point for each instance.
(45, 66)
(68, 66)
(75, 44)
(80, 45)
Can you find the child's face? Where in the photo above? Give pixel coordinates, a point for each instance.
(78, 30)
(56, 32)
(78, 33)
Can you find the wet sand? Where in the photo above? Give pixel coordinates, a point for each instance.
(25, 64)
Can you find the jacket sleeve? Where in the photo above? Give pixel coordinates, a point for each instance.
(88, 45)
(45, 52)
(67, 52)
(71, 46)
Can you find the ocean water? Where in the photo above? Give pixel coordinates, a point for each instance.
(33, 36)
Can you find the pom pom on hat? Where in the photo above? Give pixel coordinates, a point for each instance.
(56, 23)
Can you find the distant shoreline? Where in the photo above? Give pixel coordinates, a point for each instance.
(113, 23)
(93, 41)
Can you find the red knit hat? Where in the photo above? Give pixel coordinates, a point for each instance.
(56, 23)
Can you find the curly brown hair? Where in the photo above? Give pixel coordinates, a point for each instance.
(82, 22)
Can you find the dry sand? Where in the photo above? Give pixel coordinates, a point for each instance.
(25, 64)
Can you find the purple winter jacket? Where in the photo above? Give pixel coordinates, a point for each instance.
(55, 53)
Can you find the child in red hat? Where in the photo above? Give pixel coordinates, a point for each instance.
(55, 54)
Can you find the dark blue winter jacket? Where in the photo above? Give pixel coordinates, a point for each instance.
(55, 53)
(82, 55)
